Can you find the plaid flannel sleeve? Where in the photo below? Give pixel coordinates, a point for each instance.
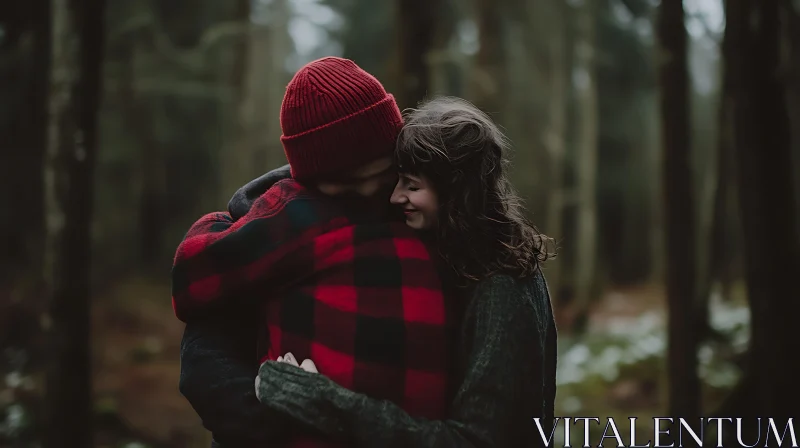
(194, 282)
(223, 258)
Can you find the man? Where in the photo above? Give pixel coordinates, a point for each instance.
(314, 262)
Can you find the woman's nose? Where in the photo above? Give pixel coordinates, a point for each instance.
(397, 197)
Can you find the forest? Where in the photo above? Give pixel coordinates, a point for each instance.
(658, 142)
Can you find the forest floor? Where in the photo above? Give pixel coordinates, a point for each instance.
(137, 366)
(137, 342)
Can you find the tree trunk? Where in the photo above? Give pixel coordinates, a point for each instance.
(259, 78)
(657, 232)
(586, 109)
(258, 139)
(151, 170)
(417, 22)
(22, 136)
(489, 74)
(77, 53)
(280, 47)
(684, 386)
(152, 194)
(555, 132)
(446, 59)
(237, 157)
(24, 80)
(792, 36)
(713, 233)
(725, 232)
(753, 44)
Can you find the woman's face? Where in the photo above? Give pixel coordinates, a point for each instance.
(418, 200)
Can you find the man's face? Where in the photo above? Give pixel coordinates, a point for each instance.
(373, 180)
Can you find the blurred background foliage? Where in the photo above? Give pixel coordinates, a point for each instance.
(188, 112)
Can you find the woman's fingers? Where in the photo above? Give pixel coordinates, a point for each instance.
(289, 358)
(309, 366)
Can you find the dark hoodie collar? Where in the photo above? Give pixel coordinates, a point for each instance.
(244, 197)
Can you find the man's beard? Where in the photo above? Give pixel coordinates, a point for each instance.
(376, 206)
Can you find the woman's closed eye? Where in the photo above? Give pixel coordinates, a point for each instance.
(409, 183)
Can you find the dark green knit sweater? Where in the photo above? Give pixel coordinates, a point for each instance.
(507, 359)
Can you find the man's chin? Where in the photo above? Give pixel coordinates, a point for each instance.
(377, 206)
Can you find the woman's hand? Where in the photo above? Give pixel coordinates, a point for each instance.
(307, 365)
(299, 392)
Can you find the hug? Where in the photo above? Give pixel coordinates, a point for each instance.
(385, 289)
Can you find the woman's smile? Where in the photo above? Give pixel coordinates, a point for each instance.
(418, 200)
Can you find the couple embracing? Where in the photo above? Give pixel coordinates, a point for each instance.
(382, 290)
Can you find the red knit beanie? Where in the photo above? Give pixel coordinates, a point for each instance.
(336, 117)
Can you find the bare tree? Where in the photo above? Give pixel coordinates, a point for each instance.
(25, 47)
(754, 40)
(684, 385)
(490, 71)
(792, 29)
(724, 233)
(555, 132)
(75, 86)
(446, 60)
(24, 77)
(267, 77)
(151, 171)
(417, 23)
(586, 106)
(236, 158)
(258, 79)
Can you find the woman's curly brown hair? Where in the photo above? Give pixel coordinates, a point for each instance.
(482, 225)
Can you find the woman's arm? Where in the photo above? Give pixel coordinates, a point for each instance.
(504, 385)
(218, 370)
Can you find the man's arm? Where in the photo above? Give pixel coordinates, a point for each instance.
(218, 370)
(218, 364)
(503, 386)
(213, 262)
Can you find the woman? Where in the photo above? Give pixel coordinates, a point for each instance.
(453, 187)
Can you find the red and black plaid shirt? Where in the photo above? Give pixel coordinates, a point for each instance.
(361, 298)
